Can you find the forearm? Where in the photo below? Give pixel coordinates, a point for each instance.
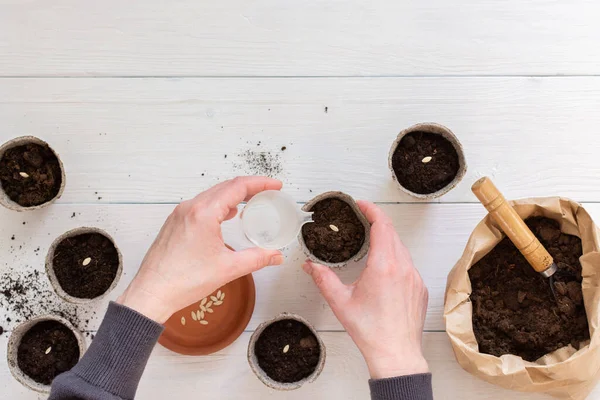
(408, 387)
(113, 365)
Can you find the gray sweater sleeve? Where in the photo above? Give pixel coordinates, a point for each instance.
(409, 387)
(113, 365)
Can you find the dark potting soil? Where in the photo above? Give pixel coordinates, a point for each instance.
(514, 311)
(325, 242)
(62, 356)
(92, 280)
(302, 357)
(30, 174)
(425, 177)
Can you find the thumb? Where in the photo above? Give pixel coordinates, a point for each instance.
(250, 260)
(332, 289)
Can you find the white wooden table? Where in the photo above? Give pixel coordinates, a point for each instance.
(143, 100)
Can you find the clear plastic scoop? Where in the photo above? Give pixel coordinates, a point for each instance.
(272, 219)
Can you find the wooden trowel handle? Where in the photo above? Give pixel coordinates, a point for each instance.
(512, 224)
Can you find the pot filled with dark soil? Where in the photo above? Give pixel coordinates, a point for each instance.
(43, 348)
(505, 324)
(339, 231)
(83, 265)
(286, 352)
(427, 160)
(31, 174)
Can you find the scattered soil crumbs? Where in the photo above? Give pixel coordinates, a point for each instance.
(425, 162)
(336, 234)
(86, 265)
(514, 311)
(30, 174)
(1, 330)
(263, 163)
(27, 295)
(47, 350)
(287, 351)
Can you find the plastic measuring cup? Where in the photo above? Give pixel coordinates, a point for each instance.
(272, 219)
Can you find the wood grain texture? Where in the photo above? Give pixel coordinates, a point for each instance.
(162, 140)
(422, 227)
(309, 38)
(226, 375)
(435, 234)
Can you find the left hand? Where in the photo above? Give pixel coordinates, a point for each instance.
(189, 260)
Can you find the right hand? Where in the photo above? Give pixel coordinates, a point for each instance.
(384, 310)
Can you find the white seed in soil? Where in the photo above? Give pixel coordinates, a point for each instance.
(24, 174)
(182, 320)
(203, 302)
(334, 228)
(213, 298)
(204, 322)
(426, 160)
(194, 316)
(48, 350)
(286, 348)
(218, 303)
(209, 310)
(86, 262)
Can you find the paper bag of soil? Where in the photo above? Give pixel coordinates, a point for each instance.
(566, 373)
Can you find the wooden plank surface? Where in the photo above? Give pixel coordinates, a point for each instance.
(423, 227)
(227, 376)
(308, 38)
(434, 233)
(161, 140)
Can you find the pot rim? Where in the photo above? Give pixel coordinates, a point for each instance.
(15, 340)
(19, 141)
(50, 265)
(260, 373)
(431, 127)
(364, 249)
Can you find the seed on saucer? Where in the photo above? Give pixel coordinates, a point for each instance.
(182, 320)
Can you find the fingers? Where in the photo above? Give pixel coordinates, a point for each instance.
(332, 289)
(251, 260)
(232, 213)
(229, 194)
(383, 234)
(386, 245)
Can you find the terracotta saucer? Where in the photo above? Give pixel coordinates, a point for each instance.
(212, 323)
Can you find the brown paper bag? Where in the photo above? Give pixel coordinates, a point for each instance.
(566, 373)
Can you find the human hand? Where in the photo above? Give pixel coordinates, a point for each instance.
(384, 310)
(188, 260)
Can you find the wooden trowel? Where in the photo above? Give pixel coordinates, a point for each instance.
(515, 228)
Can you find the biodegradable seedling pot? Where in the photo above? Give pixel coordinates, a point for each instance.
(52, 275)
(13, 347)
(352, 203)
(448, 135)
(20, 141)
(261, 374)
